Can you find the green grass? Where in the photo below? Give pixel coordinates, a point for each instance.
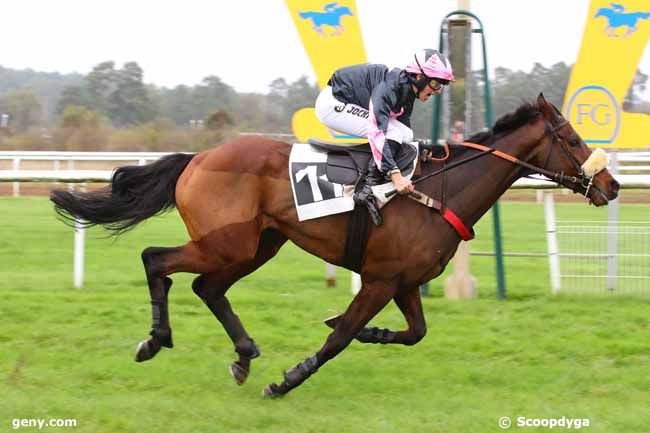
(68, 353)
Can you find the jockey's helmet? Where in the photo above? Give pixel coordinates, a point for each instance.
(433, 66)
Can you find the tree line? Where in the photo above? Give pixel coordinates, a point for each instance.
(112, 107)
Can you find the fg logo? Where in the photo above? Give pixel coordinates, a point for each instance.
(595, 114)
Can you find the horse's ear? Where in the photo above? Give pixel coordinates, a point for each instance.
(546, 108)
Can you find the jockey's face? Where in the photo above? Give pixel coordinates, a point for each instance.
(432, 87)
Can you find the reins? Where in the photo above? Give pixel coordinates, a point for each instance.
(557, 177)
(447, 168)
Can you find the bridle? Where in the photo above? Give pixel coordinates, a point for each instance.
(465, 233)
(581, 180)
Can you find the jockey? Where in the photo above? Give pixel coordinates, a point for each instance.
(372, 101)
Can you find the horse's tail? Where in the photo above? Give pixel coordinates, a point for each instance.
(135, 194)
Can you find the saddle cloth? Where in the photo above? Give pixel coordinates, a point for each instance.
(315, 195)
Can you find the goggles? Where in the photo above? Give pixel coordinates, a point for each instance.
(435, 85)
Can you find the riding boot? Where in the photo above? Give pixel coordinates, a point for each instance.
(363, 194)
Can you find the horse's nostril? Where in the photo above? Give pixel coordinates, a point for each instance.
(614, 186)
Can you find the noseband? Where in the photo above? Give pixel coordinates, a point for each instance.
(582, 179)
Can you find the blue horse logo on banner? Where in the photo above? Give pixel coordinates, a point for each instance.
(617, 17)
(331, 16)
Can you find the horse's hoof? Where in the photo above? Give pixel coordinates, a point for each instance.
(238, 372)
(272, 391)
(146, 350)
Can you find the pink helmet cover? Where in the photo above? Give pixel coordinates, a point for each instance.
(432, 64)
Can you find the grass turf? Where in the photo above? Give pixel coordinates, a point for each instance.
(68, 353)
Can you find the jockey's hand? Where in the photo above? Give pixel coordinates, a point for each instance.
(402, 185)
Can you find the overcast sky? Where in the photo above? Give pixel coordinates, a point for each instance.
(250, 43)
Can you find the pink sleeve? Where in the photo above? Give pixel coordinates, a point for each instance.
(376, 137)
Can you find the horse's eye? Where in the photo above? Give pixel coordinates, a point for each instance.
(574, 142)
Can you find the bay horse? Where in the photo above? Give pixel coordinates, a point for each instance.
(237, 205)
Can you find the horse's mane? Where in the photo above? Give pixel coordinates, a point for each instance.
(525, 114)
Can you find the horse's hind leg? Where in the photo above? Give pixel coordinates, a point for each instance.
(368, 302)
(211, 289)
(410, 304)
(158, 263)
(159, 285)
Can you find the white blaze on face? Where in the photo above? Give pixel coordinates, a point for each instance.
(596, 163)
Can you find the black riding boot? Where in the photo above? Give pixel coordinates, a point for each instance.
(363, 194)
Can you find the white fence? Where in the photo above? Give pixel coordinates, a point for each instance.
(63, 166)
(633, 169)
(69, 175)
(612, 258)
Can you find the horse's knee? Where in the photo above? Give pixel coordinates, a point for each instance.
(208, 289)
(415, 335)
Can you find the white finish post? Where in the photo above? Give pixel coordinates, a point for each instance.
(612, 235)
(79, 235)
(355, 282)
(461, 284)
(16, 185)
(330, 275)
(79, 244)
(551, 240)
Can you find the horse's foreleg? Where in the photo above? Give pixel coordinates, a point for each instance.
(212, 287)
(365, 305)
(410, 305)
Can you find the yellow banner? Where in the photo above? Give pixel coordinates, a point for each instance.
(616, 35)
(331, 35)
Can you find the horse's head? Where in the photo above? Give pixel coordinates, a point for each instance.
(562, 150)
(343, 11)
(604, 12)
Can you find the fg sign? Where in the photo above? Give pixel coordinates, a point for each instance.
(595, 114)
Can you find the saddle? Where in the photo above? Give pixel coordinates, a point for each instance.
(347, 164)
